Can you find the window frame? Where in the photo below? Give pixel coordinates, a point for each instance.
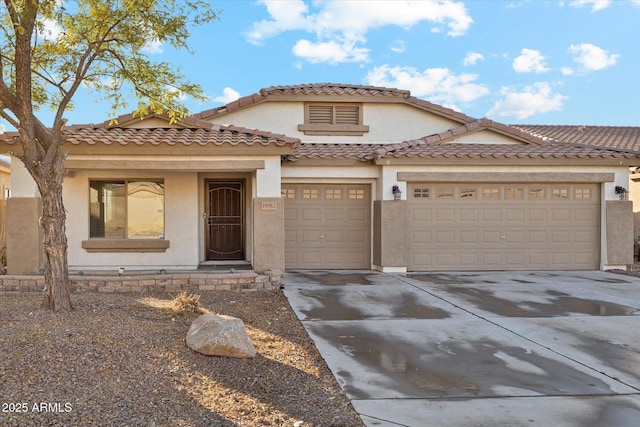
(126, 243)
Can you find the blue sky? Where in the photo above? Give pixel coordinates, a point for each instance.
(541, 62)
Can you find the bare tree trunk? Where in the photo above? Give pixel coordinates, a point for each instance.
(52, 220)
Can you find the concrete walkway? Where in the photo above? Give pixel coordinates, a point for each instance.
(478, 349)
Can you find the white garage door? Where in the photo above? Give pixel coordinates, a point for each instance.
(327, 226)
(503, 226)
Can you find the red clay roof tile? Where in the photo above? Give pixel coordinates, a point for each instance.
(614, 137)
(232, 135)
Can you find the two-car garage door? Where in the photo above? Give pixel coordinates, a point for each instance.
(486, 226)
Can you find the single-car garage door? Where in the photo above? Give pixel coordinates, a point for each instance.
(327, 226)
(503, 226)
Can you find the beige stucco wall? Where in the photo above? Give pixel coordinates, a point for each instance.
(22, 185)
(387, 122)
(619, 219)
(181, 223)
(634, 196)
(24, 236)
(268, 233)
(389, 235)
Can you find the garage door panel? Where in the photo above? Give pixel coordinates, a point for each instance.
(468, 259)
(291, 215)
(290, 236)
(356, 237)
(586, 236)
(421, 215)
(515, 237)
(423, 258)
(540, 226)
(445, 214)
(445, 260)
(537, 236)
(309, 236)
(560, 260)
(514, 214)
(560, 215)
(470, 215)
(356, 214)
(583, 214)
(469, 237)
(491, 237)
(537, 259)
(563, 237)
(491, 215)
(515, 259)
(310, 214)
(491, 259)
(327, 226)
(331, 214)
(332, 236)
(420, 237)
(537, 214)
(445, 237)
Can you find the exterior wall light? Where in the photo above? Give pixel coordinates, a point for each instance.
(622, 192)
(397, 194)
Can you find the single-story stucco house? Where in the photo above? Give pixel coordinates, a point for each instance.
(330, 176)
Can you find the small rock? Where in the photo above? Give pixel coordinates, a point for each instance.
(219, 335)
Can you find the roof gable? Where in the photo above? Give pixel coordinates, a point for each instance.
(332, 92)
(153, 120)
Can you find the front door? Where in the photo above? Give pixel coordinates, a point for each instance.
(225, 220)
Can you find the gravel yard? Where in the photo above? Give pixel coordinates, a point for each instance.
(121, 360)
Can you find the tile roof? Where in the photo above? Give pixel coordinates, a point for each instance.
(334, 151)
(424, 149)
(220, 135)
(614, 137)
(332, 89)
(438, 146)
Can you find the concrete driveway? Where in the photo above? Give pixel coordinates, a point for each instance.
(478, 349)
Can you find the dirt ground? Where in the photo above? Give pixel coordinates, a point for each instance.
(121, 360)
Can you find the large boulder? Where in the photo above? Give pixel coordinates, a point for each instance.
(219, 335)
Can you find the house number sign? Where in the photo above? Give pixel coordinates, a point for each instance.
(269, 206)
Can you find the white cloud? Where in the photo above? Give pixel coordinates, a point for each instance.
(285, 16)
(49, 29)
(472, 58)
(180, 94)
(228, 95)
(596, 5)
(399, 47)
(530, 61)
(347, 22)
(439, 85)
(535, 99)
(153, 47)
(592, 58)
(333, 52)
(567, 71)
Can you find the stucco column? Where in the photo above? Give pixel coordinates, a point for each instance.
(24, 236)
(619, 232)
(268, 233)
(389, 235)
